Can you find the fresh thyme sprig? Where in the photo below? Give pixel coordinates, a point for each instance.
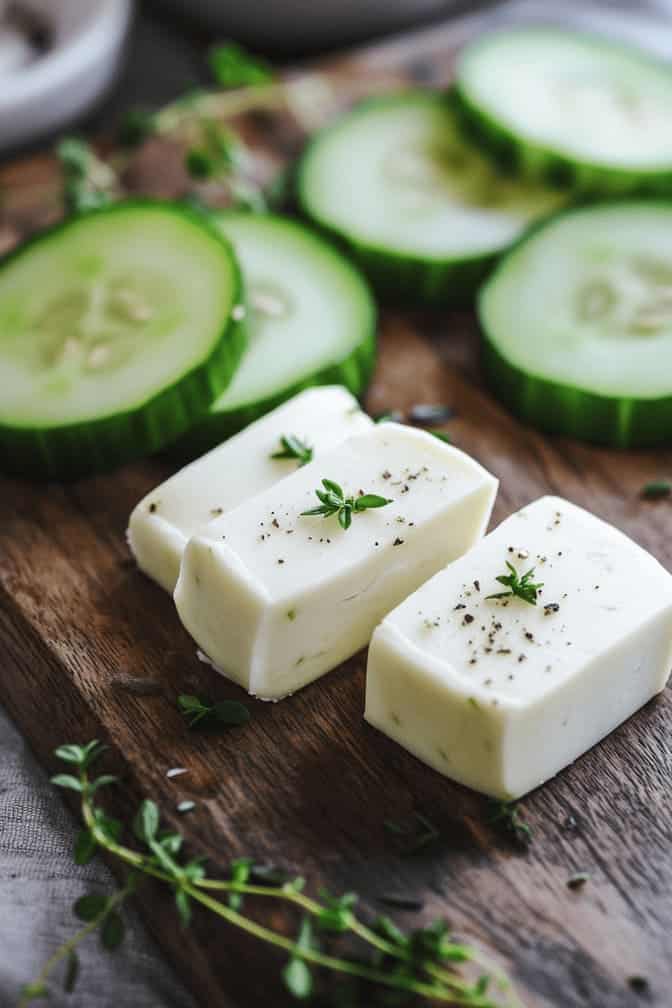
(88, 182)
(506, 813)
(423, 963)
(292, 447)
(334, 502)
(201, 711)
(521, 586)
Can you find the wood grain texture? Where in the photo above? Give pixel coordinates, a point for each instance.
(307, 783)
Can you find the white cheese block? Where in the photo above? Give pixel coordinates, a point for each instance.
(500, 695)
(276, 599)
(238, 469)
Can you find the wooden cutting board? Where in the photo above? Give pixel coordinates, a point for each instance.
(307, 784)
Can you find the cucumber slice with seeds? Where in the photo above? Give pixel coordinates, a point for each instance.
(422, 213)
(117, 331)
(577, 323)
(311, 321)
(576, 110)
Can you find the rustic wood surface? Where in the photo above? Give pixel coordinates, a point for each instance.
(307, 784)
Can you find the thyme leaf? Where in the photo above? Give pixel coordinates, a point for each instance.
(334, 502)
(520, 586)
(292, 447)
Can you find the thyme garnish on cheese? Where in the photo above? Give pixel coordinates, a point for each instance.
(292, 447)
(520, 586)
(334, 502)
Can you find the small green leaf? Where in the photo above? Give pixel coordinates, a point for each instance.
(233, 67)
(332, 487)
(112, 931)
(146, 822)
(88, 907)
(85, 847)
(657, 490)
(33, 991)
(92, 751)
(240, 873)
(298, 979)
(199, 164)
(194, 870)
(183, 904)
(186, 806)
(171, 842)
(111, 828)
(367, 501)
(70, 754)
(137, 126)
(67, 781)
(292, 447)
(71, 972)
(231, 712)
(187, 702)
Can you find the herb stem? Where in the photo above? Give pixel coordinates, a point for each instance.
(69, 946)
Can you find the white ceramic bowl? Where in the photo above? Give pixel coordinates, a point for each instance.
(299, 24)
(86, 41)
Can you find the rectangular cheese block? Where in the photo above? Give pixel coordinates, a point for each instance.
(164, 520)
(501, 694)
(276, 599)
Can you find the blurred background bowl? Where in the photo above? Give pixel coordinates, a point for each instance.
(76, 61)
(303, 24)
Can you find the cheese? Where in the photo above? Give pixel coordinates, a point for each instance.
(500, 695)
(234, 471)
(276, 599)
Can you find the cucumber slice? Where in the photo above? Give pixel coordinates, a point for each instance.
(311, 321)
(423, 214)
(117, 331)
(577, 321)
(575, 110)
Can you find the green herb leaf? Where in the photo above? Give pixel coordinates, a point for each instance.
(33, 991)
(298, 979)
(111, 828)
(240, 873)
(136, 127)
(508, 815)
(146, 822)
(71, 972)
(334, 502)
(521, 587)
(367, 501)
(70, 754)
(201, 710)
(421, 831)
(296, 974)
(85, 177)
(657, 490)
(183, 904)
(112, 931)
(67, 781)
(85, 847)
(233, 67)
(87, 908)
(292, 447)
